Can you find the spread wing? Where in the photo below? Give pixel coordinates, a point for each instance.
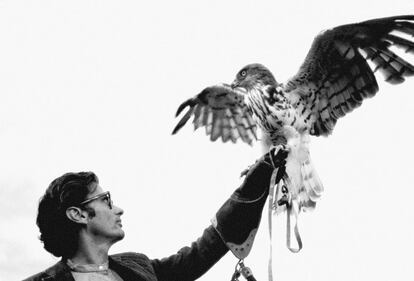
(335, 77)
(223, 113)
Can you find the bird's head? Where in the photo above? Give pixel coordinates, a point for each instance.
(253, 75)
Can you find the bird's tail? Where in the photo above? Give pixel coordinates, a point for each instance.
(303, 187)
(311, 189)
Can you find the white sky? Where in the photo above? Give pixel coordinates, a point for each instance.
(94, 85)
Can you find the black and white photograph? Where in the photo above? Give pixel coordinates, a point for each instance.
(206, 140)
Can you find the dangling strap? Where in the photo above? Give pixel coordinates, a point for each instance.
(270, 211)
(292, 212)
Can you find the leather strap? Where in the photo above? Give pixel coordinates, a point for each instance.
(270, 218)
(292, 212)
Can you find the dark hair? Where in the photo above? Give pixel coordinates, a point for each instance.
(57, 232)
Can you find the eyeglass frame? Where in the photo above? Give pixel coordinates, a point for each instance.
(106, 194)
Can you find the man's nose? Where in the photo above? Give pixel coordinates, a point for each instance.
(118, 210)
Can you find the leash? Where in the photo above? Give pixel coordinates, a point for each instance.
(270, 211)
(292, 211)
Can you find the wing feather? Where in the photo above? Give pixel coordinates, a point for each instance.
(222, 111)
(197, 116)
(216, 129)
(335, 77)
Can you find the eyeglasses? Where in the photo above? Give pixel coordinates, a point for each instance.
(106, 195)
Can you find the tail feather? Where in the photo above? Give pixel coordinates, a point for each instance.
(301, 181)
(312, 186)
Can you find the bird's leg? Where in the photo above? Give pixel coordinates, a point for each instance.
(274, 150)
(282, 193)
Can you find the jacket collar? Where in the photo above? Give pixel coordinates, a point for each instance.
(59, 271)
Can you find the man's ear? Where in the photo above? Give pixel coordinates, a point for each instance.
(77, 215)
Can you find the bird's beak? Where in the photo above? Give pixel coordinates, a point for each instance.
(235, 84)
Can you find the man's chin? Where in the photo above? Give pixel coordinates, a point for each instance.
(120, 235)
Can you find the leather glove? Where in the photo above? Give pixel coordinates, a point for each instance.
(237, 221)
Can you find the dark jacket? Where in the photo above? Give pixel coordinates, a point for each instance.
(188, 264)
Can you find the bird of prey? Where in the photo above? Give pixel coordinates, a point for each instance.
(335, 78)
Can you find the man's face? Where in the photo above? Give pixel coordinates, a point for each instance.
(105, 225)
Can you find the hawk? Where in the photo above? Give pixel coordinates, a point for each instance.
(334, 79)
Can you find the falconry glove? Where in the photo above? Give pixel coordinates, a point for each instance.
(237, 221)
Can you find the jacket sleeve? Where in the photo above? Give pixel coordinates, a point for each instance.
(234, 226)
(191, 262)
(237, 221)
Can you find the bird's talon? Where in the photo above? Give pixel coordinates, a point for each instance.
(278, 148)
(282, 150)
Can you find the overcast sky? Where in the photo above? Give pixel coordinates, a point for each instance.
(94, 85)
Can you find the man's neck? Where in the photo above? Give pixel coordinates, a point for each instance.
(91, 252)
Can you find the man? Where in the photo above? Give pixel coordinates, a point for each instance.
(79, 222)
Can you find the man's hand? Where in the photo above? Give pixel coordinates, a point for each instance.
(276, 157)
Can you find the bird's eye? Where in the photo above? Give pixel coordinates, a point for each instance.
(243, 73)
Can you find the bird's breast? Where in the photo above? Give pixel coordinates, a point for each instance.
(270, 112)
